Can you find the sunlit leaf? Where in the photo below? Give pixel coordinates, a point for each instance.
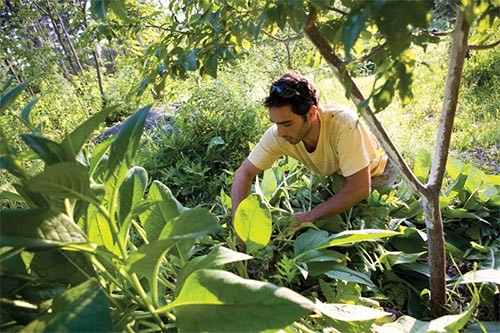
(350, 318)
(269, 183)
(216, 258)
(73, 142)
(253, 223)
(223, 302)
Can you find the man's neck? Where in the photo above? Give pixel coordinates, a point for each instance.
(311, 139)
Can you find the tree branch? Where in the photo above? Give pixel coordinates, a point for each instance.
(484, 47)
(338, 66)
(373, 53)
(283, 40)
(450, 101)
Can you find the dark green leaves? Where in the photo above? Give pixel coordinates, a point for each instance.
(126, 143)
(9, 97)
(80, 309)
(62, 180)
(35, 228)
(101, 8)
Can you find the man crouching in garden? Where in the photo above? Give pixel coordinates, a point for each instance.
(326, 140)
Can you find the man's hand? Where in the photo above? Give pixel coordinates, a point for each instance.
(303, 217)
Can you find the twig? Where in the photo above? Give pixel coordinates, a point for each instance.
(283, 40)
(483, 47)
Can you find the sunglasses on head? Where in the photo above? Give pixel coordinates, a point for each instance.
(285, 92)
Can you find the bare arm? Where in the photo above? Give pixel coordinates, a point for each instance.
(357, 188)
(242, 183)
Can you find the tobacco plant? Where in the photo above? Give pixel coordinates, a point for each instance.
(97, 246)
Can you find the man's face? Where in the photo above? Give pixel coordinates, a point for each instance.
(291, 127)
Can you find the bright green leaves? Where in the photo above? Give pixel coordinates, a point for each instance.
(351, 318)
(223, 302)
(317, 239)
(253, 223)
(81, 309)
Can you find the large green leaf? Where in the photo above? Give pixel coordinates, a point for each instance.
(444, 324)
(62, 180)
(35, 228)
(253, 223)
(349, 237)
(11, 95)
(62, 267)
(344, 273)
(126, 143)
(49, 151)
(131, 191)
(81, 309)
(99, 230)
(216, 258)
(223, 302)
(196, 221)
(166, 208)
(309, 240)
(482, 276)
(350, 318)
(25, 112)
(73, 142)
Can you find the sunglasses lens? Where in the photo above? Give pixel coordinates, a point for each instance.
(284, 91)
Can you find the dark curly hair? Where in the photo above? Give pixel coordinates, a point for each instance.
(292, 89)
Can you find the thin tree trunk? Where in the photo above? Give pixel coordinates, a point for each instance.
(434, 223)
(96, 60)
(99, 78)
(72, 49)
(59, 37)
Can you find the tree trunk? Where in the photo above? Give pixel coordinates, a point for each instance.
(60, 39)
(434, 223)
(96, 59)
(72, 49)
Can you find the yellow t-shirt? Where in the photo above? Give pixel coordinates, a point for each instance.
(344, 146)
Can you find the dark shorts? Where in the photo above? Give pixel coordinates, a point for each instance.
(388, 178)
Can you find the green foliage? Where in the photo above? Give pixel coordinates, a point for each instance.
(209, 140)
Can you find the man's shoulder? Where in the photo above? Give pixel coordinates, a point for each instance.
(337, 112)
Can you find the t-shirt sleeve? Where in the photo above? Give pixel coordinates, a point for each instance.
(267, 151)
(351, 149)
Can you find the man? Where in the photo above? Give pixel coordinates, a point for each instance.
(326, 140)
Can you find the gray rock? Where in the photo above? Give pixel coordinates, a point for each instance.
(158, 122)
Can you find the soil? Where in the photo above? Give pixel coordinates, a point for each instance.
(486, 159)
